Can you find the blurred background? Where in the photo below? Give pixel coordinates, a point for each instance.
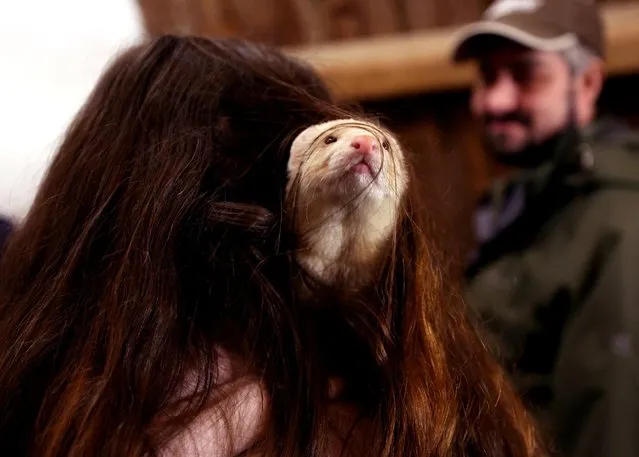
(390, 56)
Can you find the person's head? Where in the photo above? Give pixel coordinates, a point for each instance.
(160, 209)
(540, 68)
(160, 232)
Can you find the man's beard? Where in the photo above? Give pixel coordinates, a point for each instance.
(532, 154)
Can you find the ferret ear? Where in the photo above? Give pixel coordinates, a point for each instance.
(303, 140)
(301, 143)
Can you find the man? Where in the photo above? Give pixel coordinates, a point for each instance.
(556, 273)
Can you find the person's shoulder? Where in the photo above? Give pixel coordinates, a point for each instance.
(6, 227)
(235, 420)
(614, 166)
(5, 223)
(613, 131)
(615, 153)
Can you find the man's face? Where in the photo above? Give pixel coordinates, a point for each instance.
(521, 96)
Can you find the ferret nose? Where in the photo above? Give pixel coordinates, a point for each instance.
(366, 144)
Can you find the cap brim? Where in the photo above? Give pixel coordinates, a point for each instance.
(468, 40)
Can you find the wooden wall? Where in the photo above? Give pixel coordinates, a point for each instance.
(288, 22)
(435, 126)
(294, 22)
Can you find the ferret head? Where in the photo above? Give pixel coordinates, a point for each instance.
(347, 159)
(346, 180)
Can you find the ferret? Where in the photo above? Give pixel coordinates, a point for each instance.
(346, 180)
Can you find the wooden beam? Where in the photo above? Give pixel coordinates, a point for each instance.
(417, 62)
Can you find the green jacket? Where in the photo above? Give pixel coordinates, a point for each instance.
(556, 281)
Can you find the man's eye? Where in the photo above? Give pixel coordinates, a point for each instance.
(523, 75)
(487, 75)
(330, 139)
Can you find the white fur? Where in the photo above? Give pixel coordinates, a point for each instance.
(343, 218)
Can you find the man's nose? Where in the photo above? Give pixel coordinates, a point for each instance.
(501, 96)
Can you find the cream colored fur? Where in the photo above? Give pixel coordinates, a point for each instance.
(343, 220)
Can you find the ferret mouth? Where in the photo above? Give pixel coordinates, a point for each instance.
(362, 166)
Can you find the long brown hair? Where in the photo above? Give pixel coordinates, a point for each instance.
(160, 232)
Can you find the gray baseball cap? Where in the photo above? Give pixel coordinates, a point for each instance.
(545, 25)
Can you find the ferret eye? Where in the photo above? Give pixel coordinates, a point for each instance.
(386, 145)
(330, 139)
